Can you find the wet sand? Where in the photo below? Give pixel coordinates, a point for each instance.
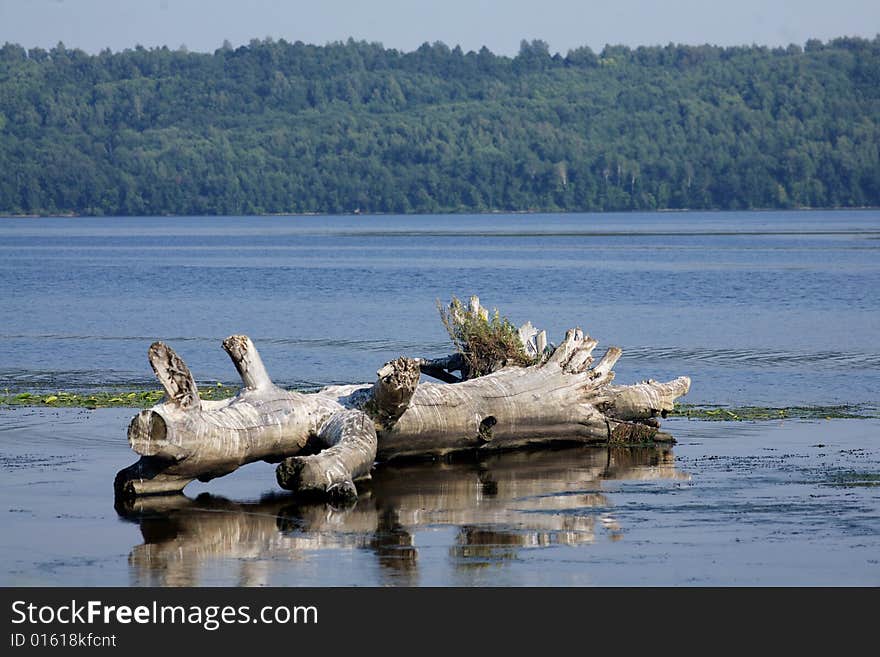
(733, 503)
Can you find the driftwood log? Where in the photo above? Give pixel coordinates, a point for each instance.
(327, 440)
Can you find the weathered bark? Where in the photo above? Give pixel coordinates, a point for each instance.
(186, 438)
(559, 398)
(645, 400)
(348, 438)
(393, 391)
(349, 442)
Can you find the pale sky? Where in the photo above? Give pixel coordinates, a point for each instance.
(202, 25)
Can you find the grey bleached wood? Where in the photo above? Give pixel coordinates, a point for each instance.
(247, 362)
(348, 439)
(527, 335)
(541, 342)
(185, 438)
(393, 390)
(645, 400)
(560, 398)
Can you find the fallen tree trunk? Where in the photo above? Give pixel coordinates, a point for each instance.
(327, 440)
(561, 399)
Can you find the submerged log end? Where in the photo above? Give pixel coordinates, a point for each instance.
(351, 442)
(634, 433)
(148, 477)
(306, 475)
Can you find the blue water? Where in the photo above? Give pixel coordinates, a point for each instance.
(786, 503)
(770, 308)
(758, 308)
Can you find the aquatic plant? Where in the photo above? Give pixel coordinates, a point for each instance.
(754, 413)
(486, 341)
(104, 398)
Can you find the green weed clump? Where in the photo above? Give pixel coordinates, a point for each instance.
(486, 343)
(756, 413)
(104, 399)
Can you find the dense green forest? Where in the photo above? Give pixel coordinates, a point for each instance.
(278, 127)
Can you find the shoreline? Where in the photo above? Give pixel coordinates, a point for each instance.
(462, 213)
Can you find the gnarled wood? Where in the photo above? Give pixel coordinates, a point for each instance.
(349, 441)
(645, 400)
(393, 391)
(559, 398)
(185, 438)
(175, 377)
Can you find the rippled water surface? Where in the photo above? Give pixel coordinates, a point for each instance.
(775, 309)
(784, 503)
(769, 308)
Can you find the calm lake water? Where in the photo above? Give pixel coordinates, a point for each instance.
(772, 308)
(732, 503)
(775, 308)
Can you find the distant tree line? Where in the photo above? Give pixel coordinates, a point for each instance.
(278, 127)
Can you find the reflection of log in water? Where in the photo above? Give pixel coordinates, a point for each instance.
(501, 504)
(183, 536)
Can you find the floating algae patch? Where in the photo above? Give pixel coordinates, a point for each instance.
(756, 413)
(105, 399)
(854, 479)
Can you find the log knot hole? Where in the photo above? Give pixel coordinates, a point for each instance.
(485, 431)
